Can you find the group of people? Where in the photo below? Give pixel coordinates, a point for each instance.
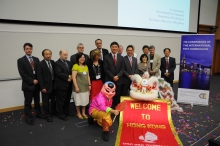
(84, 76)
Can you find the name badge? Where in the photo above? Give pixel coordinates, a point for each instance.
(98, 77)
(167, 70)
(33, 72)
(84, 73)
(151, 61)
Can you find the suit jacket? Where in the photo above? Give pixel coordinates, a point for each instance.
(104, 52)
(62, 74)
(26, 72)
(171, 68)
(44, 75)
(92, 72)
(156, 64)
(111, 70)
(129, 70)
(142, 69)
(73, 59)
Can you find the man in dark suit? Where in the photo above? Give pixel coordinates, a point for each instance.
(168, 65)
(27, 67)
(80, 49)
(104, 51)
(45, 76)
(63, 85)
(113, 66)
(130, 68)
(145, 49)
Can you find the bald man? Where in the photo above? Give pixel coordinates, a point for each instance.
(63, 84)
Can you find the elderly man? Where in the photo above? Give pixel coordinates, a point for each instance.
(120, 51)
(80, 49)
(63, 84)
(154, 61)
(45, 76)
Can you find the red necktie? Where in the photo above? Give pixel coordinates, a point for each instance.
(32, 62)
(130, 61)
(167, 64)
(114, 60)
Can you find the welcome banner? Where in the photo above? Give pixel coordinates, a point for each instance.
(145, 123)
(195, 68)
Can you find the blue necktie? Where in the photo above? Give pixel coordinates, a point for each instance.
(66, 65)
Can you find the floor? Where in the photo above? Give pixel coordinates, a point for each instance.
(195, 126)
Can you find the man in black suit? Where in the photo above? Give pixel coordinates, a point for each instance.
(45, 76)
(27, 67)
(63, 85)
(168, 65)
(113, 66)
(104, 51)
(145, 49)
(80, 49)
(130, 68)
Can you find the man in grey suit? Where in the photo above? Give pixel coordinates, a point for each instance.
(130, 65)
(113, 66)
(154, 62)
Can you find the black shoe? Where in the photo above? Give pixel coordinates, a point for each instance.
(105, 135)
(49, 119)
(69, 114)
(40, 116)
(30, 122)
(90, 120)
(64, 118)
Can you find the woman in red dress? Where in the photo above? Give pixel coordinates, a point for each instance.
(96, 73)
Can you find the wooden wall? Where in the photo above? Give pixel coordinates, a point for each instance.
(209, 29)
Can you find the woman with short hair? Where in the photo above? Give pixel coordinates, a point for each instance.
(82, 85)
(142, 65)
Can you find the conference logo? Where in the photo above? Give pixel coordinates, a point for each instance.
(202, 95)
(149, 137)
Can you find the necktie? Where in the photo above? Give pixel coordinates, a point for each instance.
(114, 60)
(67, 67)
(167, 64)
(130, 61)
(51, 70)
(32, 62)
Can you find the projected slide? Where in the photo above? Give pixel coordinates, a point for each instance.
(154, 14)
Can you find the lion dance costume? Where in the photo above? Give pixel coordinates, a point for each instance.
(100, 108)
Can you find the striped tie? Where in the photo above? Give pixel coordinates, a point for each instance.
(32, 62)
(51, 70)
(130, 61)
